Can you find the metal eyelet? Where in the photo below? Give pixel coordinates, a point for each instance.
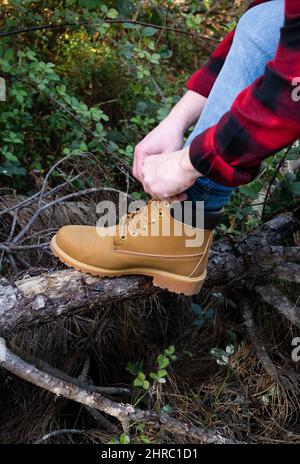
(145, 227)
(166, 204)
(160, 212)
(133, 233)
(152, 221)
(122, 237)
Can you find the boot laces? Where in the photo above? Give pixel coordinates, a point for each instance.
(139, 215)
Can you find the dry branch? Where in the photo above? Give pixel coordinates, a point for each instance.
(125, 413)
(274, 297)
(34, 300)
(42, 298)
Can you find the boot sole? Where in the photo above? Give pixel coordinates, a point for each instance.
(162, 279)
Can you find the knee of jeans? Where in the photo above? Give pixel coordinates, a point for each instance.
(261, 24)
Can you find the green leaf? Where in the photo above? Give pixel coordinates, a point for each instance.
(162, 361)
(9, 156)
(124, 439)
(149, 31)
(144, 439)
(112, 13)
(89, 4)
(104, 9)
(138, 382)
(146, 385)
(162, 373)
(249, 192)
(141, 376)
(31, 55)
(171, 349)
(197, 309)
(8, 54)
(114, 441)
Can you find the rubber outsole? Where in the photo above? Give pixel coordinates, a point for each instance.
(165, 280)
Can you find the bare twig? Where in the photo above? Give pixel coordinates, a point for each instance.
(257, 342)
(98, 416)
(56, 433)
(274, 297)
(110, 21)
(58, 201)
(278, 167)
(125, 413)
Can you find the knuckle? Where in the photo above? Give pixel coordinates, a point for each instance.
(138, 150)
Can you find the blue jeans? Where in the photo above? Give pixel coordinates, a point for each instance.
(254, 44)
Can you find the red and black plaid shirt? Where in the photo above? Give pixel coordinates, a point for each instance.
(264, 117)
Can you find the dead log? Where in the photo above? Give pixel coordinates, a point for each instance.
(242, 261)
(39, 299)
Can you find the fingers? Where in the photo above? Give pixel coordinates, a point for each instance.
(139, 157)
(150, 180)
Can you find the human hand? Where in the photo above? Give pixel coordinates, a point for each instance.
(167, 137)
(168, 175)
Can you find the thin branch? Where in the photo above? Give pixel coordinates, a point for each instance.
(56, 433)
(110, 21)
(125, 413)
(33, 198)
(58, 201)
(98, 416)
(257, 342)
(280, 164)
(101, 420)
(275, 298)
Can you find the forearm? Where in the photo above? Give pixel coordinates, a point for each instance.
(263, 119)
(187, 111)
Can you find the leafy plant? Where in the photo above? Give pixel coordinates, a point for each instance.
(163, 361)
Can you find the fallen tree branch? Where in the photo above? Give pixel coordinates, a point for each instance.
(42, 298)
(288, 271)
(34, 300)
(275, 298)
(286, 379)
(125, 413)
(258, 343)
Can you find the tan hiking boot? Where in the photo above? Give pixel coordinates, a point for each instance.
(148, 241)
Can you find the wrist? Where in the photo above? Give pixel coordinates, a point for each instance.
(187, 166)
(187, 111)
(175, 122)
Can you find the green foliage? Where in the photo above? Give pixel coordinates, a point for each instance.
(99, 86)
(123, 440)
(59, 80)
(163, 361)
(204, 317)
